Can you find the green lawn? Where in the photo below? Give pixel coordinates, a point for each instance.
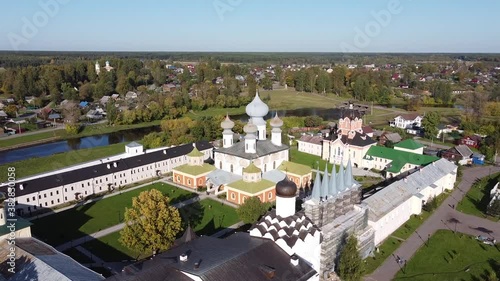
(451, 257)
(280, 99)
(74, 223)
(291, 99)
(38, 165)
(478, 197)
(307, 159)
(14, 141)
(207, 217)
(110, 249)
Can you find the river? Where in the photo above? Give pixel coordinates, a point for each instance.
(46, 149)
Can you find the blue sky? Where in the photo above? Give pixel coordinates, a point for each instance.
(251, 25)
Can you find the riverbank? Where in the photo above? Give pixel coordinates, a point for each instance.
(39, 165)
(14, 142)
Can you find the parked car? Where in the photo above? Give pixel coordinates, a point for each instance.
(486, 240)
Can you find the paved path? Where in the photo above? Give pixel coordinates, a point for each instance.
(432, 144)
(445, 217)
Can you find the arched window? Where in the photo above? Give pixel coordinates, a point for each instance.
(233, 196)
(265, 167)
(231, 168)
(220, 165)
(274, 165)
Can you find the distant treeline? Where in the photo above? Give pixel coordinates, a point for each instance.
(35, 58)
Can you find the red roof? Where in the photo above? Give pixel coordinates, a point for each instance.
(410, 116)
(367, 130)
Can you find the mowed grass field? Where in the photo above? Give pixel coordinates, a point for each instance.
(451, 257)
(477, 199)
(206, 217)
(77, 222)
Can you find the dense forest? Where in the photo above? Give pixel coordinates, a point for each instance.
(13, 59)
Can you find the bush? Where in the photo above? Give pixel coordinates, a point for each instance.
(431, 204)
(72, 129)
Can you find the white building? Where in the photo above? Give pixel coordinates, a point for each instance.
(350, 143)
(392, 206)
(310, 144)
(494, 194)
(407, 121)
(77, 182)
(266, 154)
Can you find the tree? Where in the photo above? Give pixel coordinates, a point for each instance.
(267, 83)
(430, 123)
(251, 210)
(350, 265)
(11, 110)
(151, 224)
(252, 85)
(362, 89)
(431, 204)
(313, 121)
(441, 92)
(71, 113)
(494, 208)
(72, 129)
(86, 91)
(111, 112)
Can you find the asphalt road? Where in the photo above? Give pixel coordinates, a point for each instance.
(445, 217)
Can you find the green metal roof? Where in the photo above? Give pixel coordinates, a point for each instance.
(252, 187)
(399, 158)
(252, 169)
(195, 153)
(294, 168)
(409, 144)
(195, 169)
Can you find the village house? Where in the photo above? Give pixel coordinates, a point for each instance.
(388, 136)
(393, 162)
(310, 144)
(460, 154)
(407, 121)
(471, 141)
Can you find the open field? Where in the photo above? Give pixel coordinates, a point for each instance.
(478, 197)
(39, 165)
(77, 222)
(307, 159)
(207, 217)
(451, 257)
(280, 99)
